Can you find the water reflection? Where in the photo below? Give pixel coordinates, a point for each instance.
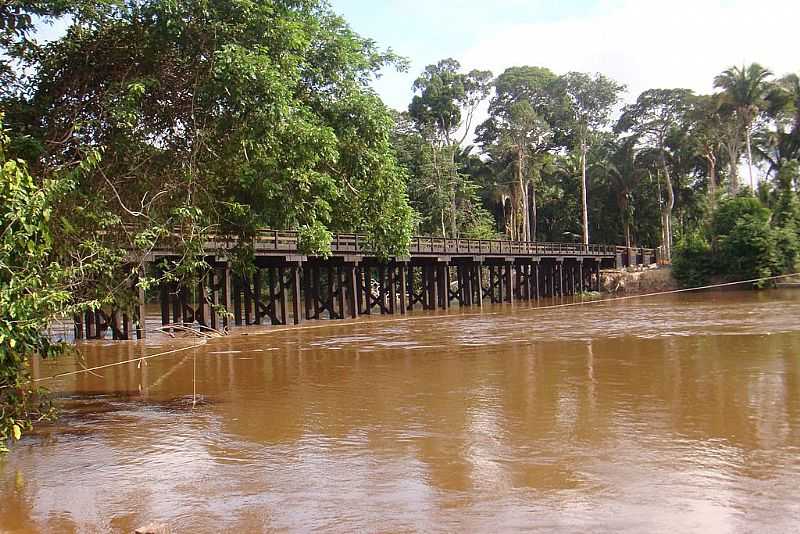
(678, 413)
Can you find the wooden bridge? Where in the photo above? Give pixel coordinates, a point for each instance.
(287, 286)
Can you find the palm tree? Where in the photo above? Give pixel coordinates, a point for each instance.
(623, 174)
(745, 89)
(782, 143)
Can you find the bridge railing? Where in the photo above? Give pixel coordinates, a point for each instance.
(288, 241)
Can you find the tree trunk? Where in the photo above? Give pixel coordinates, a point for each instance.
(583, 195)
(749, 159)
(524, 234)
(626, 225)
(667, 211)
(533, 214)
(454, 207)
(733, 163)
(712, 179)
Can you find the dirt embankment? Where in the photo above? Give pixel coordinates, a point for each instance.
(635, 281)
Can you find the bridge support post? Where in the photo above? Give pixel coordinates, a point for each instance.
(479, 283)
(441, 272)
(403, 287)
(466, 284)
(410, 286)
(139, 308)
(77, 322)
(391, 289)
(352, 289)
(561, 278)
(203, 305)
(248, 298)
(176, 303)
(509, 289)
(237, 300)
(283, 296)
(432, 287)
(228, 275)
(597, 275)
(316, 282)
(295, 274)
(257, 297)
(163, 301)
(367, 290)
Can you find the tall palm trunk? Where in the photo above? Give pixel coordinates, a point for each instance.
(712, 178)
(525, 231)
(666, 214)
(732, 147)
(583, 195)
(454, 205)
(532, 223)
(622, 201)
(749, 158)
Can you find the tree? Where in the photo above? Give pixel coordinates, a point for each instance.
(651, 119)
(221, 117)
(35, 287)
(442, 108)
(786, 216)
(747, 244)
(745, 89)
(585, 104)
(707, 134)
(517, 130)
(782, 143)
(624, 174)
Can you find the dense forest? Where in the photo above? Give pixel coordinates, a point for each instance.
(220, 117)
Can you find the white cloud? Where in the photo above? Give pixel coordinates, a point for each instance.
(652, 43)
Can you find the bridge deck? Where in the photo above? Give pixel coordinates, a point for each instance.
(283, 242)
(286, 286)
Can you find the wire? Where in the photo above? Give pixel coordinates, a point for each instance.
(115, 364)
(424, 318)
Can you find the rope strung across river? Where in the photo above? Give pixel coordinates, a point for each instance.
(424, 318)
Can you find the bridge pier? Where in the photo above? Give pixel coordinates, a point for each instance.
(284, 287)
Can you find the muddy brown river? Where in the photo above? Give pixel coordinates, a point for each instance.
(667, 414)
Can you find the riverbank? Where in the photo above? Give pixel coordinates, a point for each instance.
(638, 280)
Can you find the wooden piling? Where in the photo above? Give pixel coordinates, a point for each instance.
(295, 273)
(403, 288)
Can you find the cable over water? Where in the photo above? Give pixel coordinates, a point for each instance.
(427, 318)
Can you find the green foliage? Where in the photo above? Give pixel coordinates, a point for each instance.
(692, 263)
(747, 242)
(32, 289)
(786, 216)
(731, 211)
(445, 102)
(750, 250)
(314, 239)
(228, 116)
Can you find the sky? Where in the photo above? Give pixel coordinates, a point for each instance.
(641, 43)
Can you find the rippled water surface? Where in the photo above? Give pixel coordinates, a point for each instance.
(668, 414)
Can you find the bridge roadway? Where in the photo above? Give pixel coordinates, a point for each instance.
(288, 286)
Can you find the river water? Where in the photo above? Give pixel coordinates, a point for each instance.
(666, 414)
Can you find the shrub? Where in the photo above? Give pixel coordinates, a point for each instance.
(692, 261)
